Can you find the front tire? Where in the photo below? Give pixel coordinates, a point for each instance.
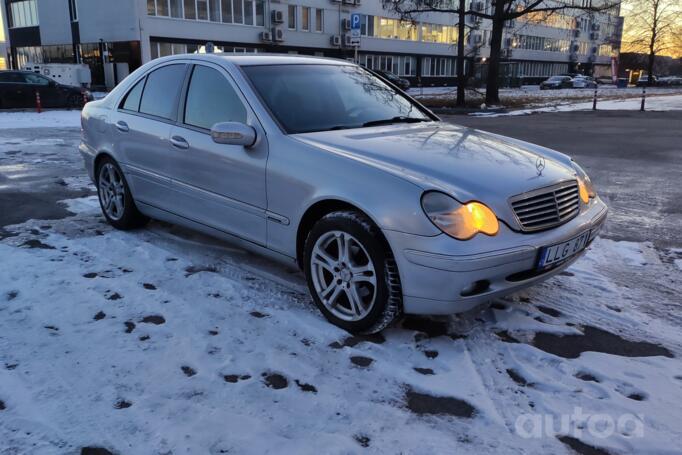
(115, 198)
(351, 273)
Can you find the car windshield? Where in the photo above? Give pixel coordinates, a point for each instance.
(307, 98)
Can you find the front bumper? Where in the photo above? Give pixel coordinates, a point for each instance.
(441, 275)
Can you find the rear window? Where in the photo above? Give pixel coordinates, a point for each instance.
(11, 78)
(161, 91)
(132, 99)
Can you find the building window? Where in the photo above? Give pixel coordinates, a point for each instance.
(176, 8)
(151, 7)
(74, 10)
(190, 9)
(162, 7)
(202, 10)
(237, 11)
(248, 12)
(23, 14)
(319, 20)
(214, 10)
(292, 17)
(438, 66)
(29, 55)
(260, 13)
(305, 18)
(227, 11)
(401, 65)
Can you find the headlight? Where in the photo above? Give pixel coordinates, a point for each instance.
(461, 221)
(585, 185)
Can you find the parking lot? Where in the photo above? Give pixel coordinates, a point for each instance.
(165, 341)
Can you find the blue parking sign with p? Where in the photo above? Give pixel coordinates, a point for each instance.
(355, 22)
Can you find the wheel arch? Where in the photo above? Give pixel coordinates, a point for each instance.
(318, 210)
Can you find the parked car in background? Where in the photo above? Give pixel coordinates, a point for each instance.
(604, 80)
(557, 82)
(403, 83)
(670, 81)
(644, 80)
(320, 164)
(584, 82)
(18, 90)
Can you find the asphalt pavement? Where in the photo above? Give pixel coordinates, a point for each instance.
(634, 159)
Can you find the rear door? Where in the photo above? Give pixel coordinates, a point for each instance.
(219, 185)
(141, 129)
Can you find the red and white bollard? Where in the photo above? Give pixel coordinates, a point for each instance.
(39, 106)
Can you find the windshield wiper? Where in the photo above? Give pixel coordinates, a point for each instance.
(397, 119)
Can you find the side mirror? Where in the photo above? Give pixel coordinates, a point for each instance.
(52, 83)
(233, 133)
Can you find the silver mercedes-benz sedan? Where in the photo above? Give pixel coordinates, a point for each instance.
(322, 164)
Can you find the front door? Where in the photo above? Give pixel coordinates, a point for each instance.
(218, 185)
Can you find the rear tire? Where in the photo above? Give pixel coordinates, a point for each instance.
(115, 198)
(351, 273)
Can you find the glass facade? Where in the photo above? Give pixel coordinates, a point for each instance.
(23, 14)
(401, 65)
(246, 12)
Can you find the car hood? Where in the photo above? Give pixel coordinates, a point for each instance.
(466, 163)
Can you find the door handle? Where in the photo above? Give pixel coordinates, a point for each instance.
(179, 142)
(122, 126)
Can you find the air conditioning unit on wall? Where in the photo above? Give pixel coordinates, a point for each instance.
(345, 24)
(347, 41)
(277, 34)
(266, 36)
(335, 40)
(277, 17)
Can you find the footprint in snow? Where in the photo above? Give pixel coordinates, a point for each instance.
(306, 387)
(2, 405)
(275, 381)
(122, 404)
(11, 295)
(424, 371)
(361, 361)
(95, 451)
(258, 314)
(189, 371)
(234, 378)
(114, 296)
(90, 275)
(100, 315)
(130, 326)
(353, 341)
(425, 404)
(362, 439)
(153, 319)
(517, 378)
(431, 354)
(585, 376)
(149, 286)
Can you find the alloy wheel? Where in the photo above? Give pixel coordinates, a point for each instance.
(343, 275)
(111, 191)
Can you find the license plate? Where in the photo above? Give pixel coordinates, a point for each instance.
(556, 254)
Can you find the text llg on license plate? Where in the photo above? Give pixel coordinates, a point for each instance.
(555, 254)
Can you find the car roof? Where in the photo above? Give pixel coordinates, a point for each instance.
(264, 59)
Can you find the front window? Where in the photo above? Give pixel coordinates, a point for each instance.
(329, 97)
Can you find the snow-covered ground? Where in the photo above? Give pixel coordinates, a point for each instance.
(652, 103)
(49, 118)
(163, 341)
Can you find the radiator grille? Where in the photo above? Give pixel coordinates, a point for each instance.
(547, 207)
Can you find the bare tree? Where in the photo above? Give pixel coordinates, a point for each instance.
(499, 12)
(651, 27)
